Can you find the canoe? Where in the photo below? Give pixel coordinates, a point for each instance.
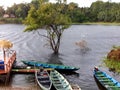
(26, 69)
(43, 79)
(105, 80)
(75, 87)
(59, 81)
(54, 66)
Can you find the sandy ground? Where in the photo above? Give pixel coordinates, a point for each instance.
(19, 88)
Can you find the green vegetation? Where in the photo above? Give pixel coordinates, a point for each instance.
(112, 61)
(116, 47)
(100, 23)
(99, 11)
(50, 16)
(112, 64)
(11, 20)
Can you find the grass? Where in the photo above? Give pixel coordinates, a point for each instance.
(112, 64)
(101, 23)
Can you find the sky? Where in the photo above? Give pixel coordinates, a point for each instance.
(81, 3)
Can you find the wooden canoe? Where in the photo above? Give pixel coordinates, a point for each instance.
(43, 79)
(59, 81)
(105, 80)
(54, 66)
(26, 69)
(75, 87)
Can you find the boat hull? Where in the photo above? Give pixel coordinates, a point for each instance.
(59, 82)
(58, 67)
(106, 81)
(43, 79)
(26, 69)
(75, 87)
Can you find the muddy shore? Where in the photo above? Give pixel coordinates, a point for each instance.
(19, 88)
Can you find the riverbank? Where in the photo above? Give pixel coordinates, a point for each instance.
(98, 23)
(19, 21)
(11, 20)
(19, 88)
(102, 23)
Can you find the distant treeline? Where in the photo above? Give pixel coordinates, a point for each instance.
(99, 11)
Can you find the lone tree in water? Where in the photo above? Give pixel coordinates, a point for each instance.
(52, 17)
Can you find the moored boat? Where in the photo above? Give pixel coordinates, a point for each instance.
(54, 66)
(7, 56)
(43, 79)
(59, 81)
(75, 87)
(26, 69)
(105, 80)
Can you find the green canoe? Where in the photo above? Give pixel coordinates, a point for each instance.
(59, 81)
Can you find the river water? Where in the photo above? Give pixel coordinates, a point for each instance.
(31, 46)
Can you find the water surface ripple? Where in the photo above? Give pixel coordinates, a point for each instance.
(31, 46)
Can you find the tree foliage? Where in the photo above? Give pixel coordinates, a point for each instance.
(19, 10)
(99, 11)
(2, 11)
(50, 16)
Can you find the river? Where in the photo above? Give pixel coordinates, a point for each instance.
(31, 46)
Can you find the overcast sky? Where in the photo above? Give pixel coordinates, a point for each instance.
(81, 3)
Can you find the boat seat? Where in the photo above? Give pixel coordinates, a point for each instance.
(102, 78)
(58, 84)
(101, 75)
(45, 83)
(106, 80)
(55, 79)
(43, 78)
(109, 83)
(113, 87)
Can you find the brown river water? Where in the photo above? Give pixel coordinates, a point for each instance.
(31, 46)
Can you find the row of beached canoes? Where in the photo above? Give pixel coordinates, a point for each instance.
(47, 75)
(106, 81)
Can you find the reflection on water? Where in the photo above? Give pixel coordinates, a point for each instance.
(30, 46)
(84, 50)
(55, 58)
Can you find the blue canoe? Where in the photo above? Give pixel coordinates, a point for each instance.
(54, 66)
(105, 80)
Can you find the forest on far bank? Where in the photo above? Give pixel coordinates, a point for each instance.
(99, 11)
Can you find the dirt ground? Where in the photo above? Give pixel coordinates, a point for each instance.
(20, 88)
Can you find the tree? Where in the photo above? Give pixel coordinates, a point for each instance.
(2, 11)
(51, 16)
(95, 8)
(22, 10)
